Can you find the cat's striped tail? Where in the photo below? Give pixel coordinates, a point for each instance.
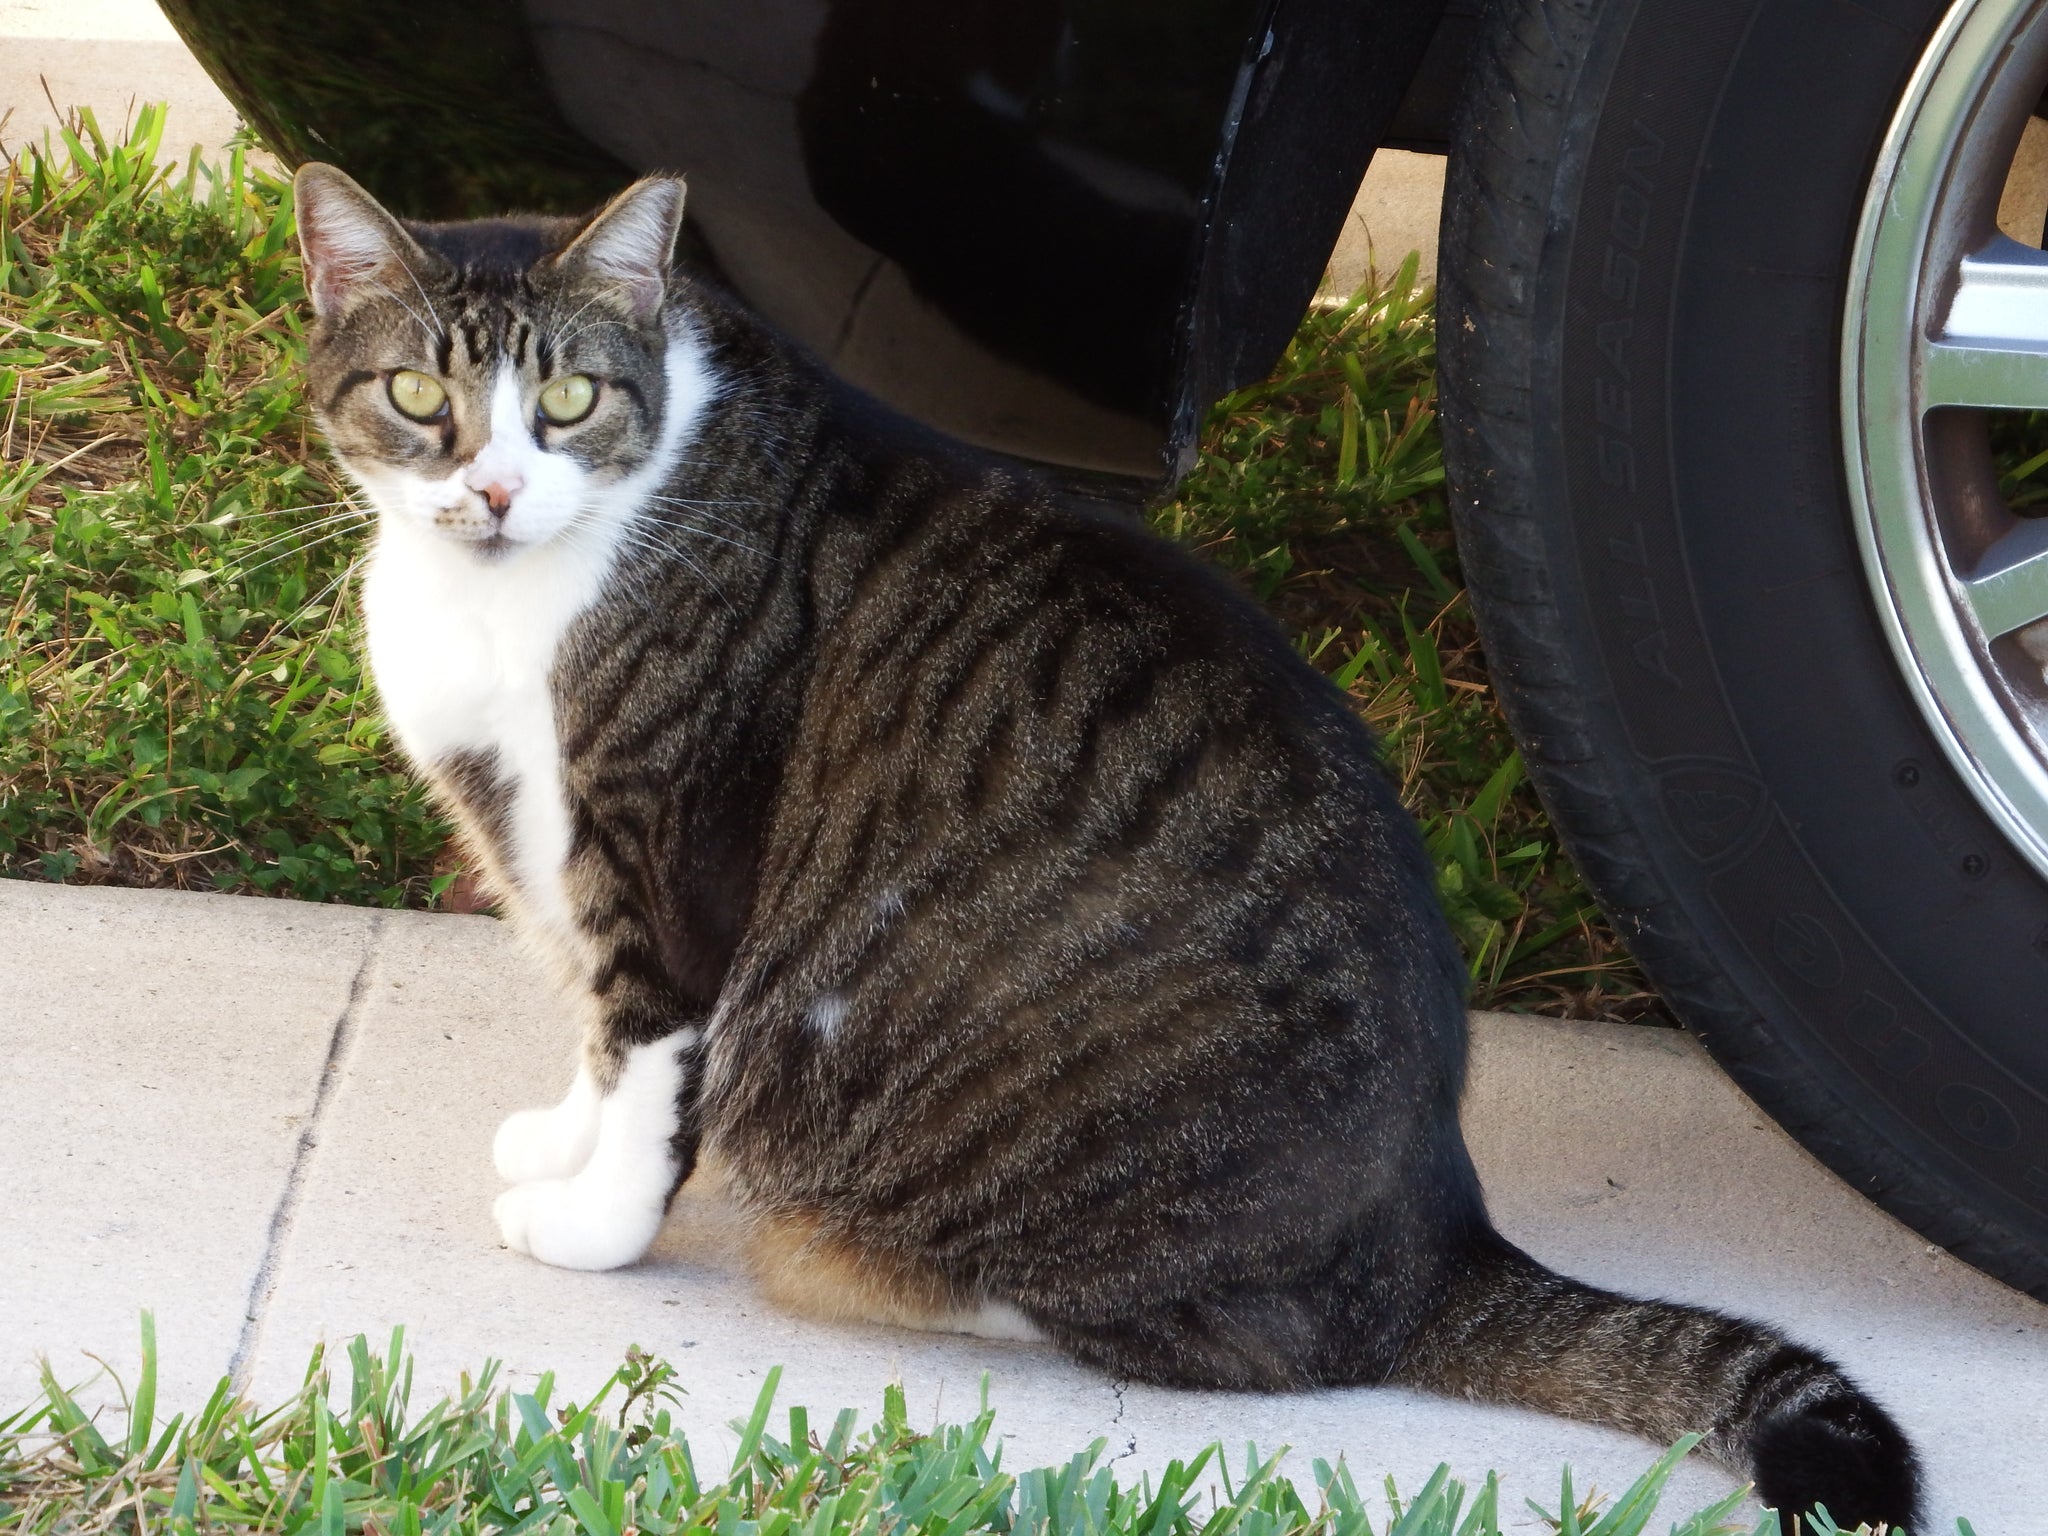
(1511, 1331)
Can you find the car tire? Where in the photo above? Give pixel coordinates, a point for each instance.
(1650, 223)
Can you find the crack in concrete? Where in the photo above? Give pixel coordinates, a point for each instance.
(264, 1286)
(1116, 1389)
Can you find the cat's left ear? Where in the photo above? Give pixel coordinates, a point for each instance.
(350, 243)
(630, 243)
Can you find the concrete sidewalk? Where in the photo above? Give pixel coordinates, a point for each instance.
(271, 1124)
(111, 56)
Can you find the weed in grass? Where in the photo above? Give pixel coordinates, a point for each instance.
(180, 700)
(2019, 453)
(489, 1459)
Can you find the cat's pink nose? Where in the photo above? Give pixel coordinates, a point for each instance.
(496, 484)
(498, 496)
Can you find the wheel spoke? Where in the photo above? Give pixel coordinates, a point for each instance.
(1993, 350)
(2009, 588)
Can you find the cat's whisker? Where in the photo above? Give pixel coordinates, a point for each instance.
(563, 344)
(297, 539)
(697, 504)
(240, 572)
(339, 584)
(705, 533)
(236, 574)
(581, 309)
(299, 531)
(651, 544)
(568, 331)
(311, 506)
(347, 510)
(583, 533)
(691, 515)
(320, 602)
(430, 331)
(440, 332)
(687, 462)
(638, 540)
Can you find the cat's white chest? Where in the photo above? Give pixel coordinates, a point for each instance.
(463, 652)
(464, 648)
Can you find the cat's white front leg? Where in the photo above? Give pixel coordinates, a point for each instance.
(607, 1213)
(537, 1144)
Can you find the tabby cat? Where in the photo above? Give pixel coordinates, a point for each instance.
(977, 884)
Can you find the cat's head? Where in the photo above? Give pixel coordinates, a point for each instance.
(499, 384)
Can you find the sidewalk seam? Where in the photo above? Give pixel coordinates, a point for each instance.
(339, 1043)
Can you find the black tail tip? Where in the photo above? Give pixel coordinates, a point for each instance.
(1843, 1452)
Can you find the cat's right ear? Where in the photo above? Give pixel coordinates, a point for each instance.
(627, 247)
(350, 244)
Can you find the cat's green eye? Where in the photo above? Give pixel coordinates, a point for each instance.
(418, 396)
(568, 400)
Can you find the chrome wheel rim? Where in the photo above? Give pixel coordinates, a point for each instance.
(1947, 319)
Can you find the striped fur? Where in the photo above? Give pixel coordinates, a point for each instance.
(1058, 959)
(1785, 1414)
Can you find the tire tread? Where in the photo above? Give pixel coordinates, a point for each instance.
(1523, 98)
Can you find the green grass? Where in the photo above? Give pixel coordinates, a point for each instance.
(180, 699)
(333, 1461)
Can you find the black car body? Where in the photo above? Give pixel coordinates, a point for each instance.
(1058, 228)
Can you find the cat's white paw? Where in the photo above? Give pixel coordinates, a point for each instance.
(607, 1213)
(555, 1143)
(572, 1225)
(537, 1144)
